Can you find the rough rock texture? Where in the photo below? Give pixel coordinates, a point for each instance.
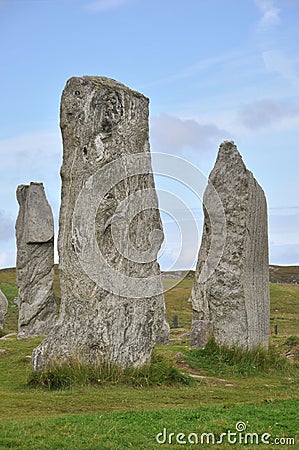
(112, 303)
(3, 309)
(35, 262)
(232, 305)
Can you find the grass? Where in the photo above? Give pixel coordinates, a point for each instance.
(177, 303)
(260, 389)
(220, 360)
(159, 371)
(284, 308)
(139, 429)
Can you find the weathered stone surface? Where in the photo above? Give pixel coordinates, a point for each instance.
(35, 262)
(112, 306)
(3, 309)
(232, 305)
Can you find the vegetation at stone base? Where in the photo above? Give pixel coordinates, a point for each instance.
(159, 371)
(139, 429)
(218, 360)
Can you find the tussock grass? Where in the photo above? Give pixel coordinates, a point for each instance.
(228, 361)
(159, 371)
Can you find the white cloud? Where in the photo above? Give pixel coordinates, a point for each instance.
(172, 134)
(270, 13)
(266, 112)
(104, 5)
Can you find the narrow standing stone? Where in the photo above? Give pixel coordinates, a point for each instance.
(112, 306)
(35, 262)
(3, 309)
(232, 305)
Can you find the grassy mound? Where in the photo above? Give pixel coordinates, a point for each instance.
(159, 371)
(229, 361)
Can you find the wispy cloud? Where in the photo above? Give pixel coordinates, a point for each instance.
(270, 13)
(276, 61)
(265, 112)
(172, 134)
(104, 5)
(203, 66)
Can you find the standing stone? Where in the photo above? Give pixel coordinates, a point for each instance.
(112, 303)
(3, 309)
(233, 305)
(35, 262)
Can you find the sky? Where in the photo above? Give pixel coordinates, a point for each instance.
(213, 70)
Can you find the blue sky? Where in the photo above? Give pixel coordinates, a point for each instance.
(213, 70)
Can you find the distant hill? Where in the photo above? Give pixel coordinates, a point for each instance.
(284, 274)
(179, 274)
(277, 274)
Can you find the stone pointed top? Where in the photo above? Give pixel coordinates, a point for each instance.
(228, 152)
(229, 164)
(229, 149)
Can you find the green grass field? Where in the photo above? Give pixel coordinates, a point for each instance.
(226, 390)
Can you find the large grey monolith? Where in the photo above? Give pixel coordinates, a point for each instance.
(112, 303)
(35, 262)
(231, 304)
(3, 309)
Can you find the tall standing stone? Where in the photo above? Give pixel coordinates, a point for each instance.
(35, 262)
(232, 305)
(112, 305)
(3, 309)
